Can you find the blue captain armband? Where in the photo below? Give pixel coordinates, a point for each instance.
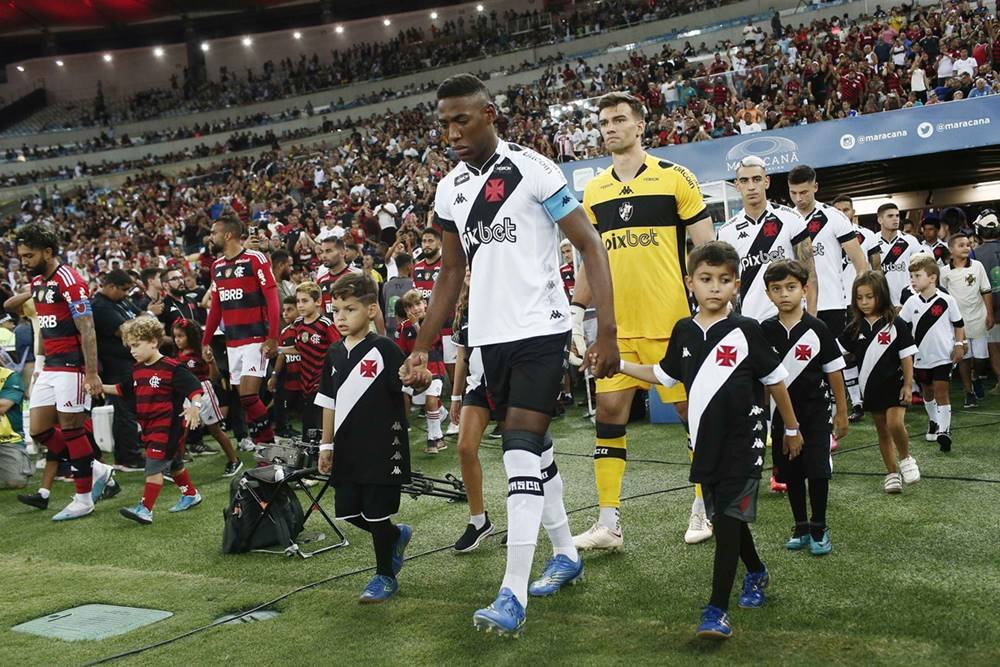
(80, 308)
(561, 204)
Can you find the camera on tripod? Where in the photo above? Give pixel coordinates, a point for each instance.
(293, 453)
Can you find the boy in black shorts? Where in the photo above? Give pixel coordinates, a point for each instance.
(725, 363)
(810, 354)
(365, 442)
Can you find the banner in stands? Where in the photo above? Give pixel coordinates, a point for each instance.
(936, 128)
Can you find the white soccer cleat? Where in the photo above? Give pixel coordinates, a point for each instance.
(76, 509)
(893, 483)
(599, 536)
(246, 445)
(452, 429)
(699, 528)
(908, 467)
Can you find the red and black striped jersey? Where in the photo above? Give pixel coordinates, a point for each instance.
(239, 284)
(406, 336)
(160, 389)
(312, 340)
(195, 363)
(326, 282)
(58, 300)
(425, 274)
(568, 273)
(293, 360)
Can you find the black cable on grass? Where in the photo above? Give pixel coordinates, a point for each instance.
(326, 580)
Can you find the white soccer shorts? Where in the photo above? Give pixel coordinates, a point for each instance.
(63, 389)
(246, 360)
(978, 348)
(450, 349)
(434, 389)
(211, 411)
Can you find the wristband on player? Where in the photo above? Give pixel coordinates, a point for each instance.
(456, 398)
(791, 431)
(326, 447)
(961, 343)
(621, 365)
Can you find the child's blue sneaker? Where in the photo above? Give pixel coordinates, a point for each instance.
(139, 514)
(798, 543)
(558, 572)
(405, 533)
(379, 589)
(186, 502)
(505, 615)
(714, 624)
(822, 547)
(754, 584)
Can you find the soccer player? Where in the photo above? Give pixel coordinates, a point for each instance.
(645, 209)
(168, 403)
(939, 334)
(244, 298)
(334, 267)
(501, 208)
(425, 274)
(966, 280)
(809, 352)
(725, 363)
(870, 248)
(895, 249)
(931, 243)
(61, 394)
(314, 334)
(360, 380)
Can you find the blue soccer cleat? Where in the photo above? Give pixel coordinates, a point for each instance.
(714, 624)
(798, 543)
(186, 502)
(405, 533)
(559, 571)
(139, 514)
(379, 589)
(754, 584)
(823, 547)
(505, 615)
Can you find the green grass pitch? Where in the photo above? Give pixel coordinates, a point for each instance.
(912, 579)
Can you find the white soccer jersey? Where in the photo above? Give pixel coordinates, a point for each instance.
(829, 229)
(503, 214)
(933, 321)
(759, 242)
(968, 284)
(938, 250)
(869, 246)
(896, 253)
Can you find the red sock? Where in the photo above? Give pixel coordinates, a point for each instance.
(80, 456)
(183, 481)
(84, 484)
(150, 494)
(256, 417)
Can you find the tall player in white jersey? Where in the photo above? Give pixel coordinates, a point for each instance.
(501, 210)
(870, 248)
(895, 248)
(763, 232)
(835, 244)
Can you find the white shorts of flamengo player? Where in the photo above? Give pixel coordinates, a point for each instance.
(434, 389)
(211, 411)
(979, 348)
(63, 389)
(450, 348)
(246, 359)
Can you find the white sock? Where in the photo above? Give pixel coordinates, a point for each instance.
(851, 380)
(932, 411)
(524, 516)
(944, 418)
(698, 506)
(553, 511)
(44, 493)
(609, 518)
(434, 425)
(478, 520)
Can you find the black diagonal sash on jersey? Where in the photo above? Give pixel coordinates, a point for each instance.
(895, 252)
(929, 319)
(817, 221)
(484, 211)
(761, 244)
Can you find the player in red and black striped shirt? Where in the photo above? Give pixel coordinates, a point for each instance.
(61, 394)
(332, 256)
(314, 334)
(284, 383)
(168, 402)
(245, 300)
(425, 274)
